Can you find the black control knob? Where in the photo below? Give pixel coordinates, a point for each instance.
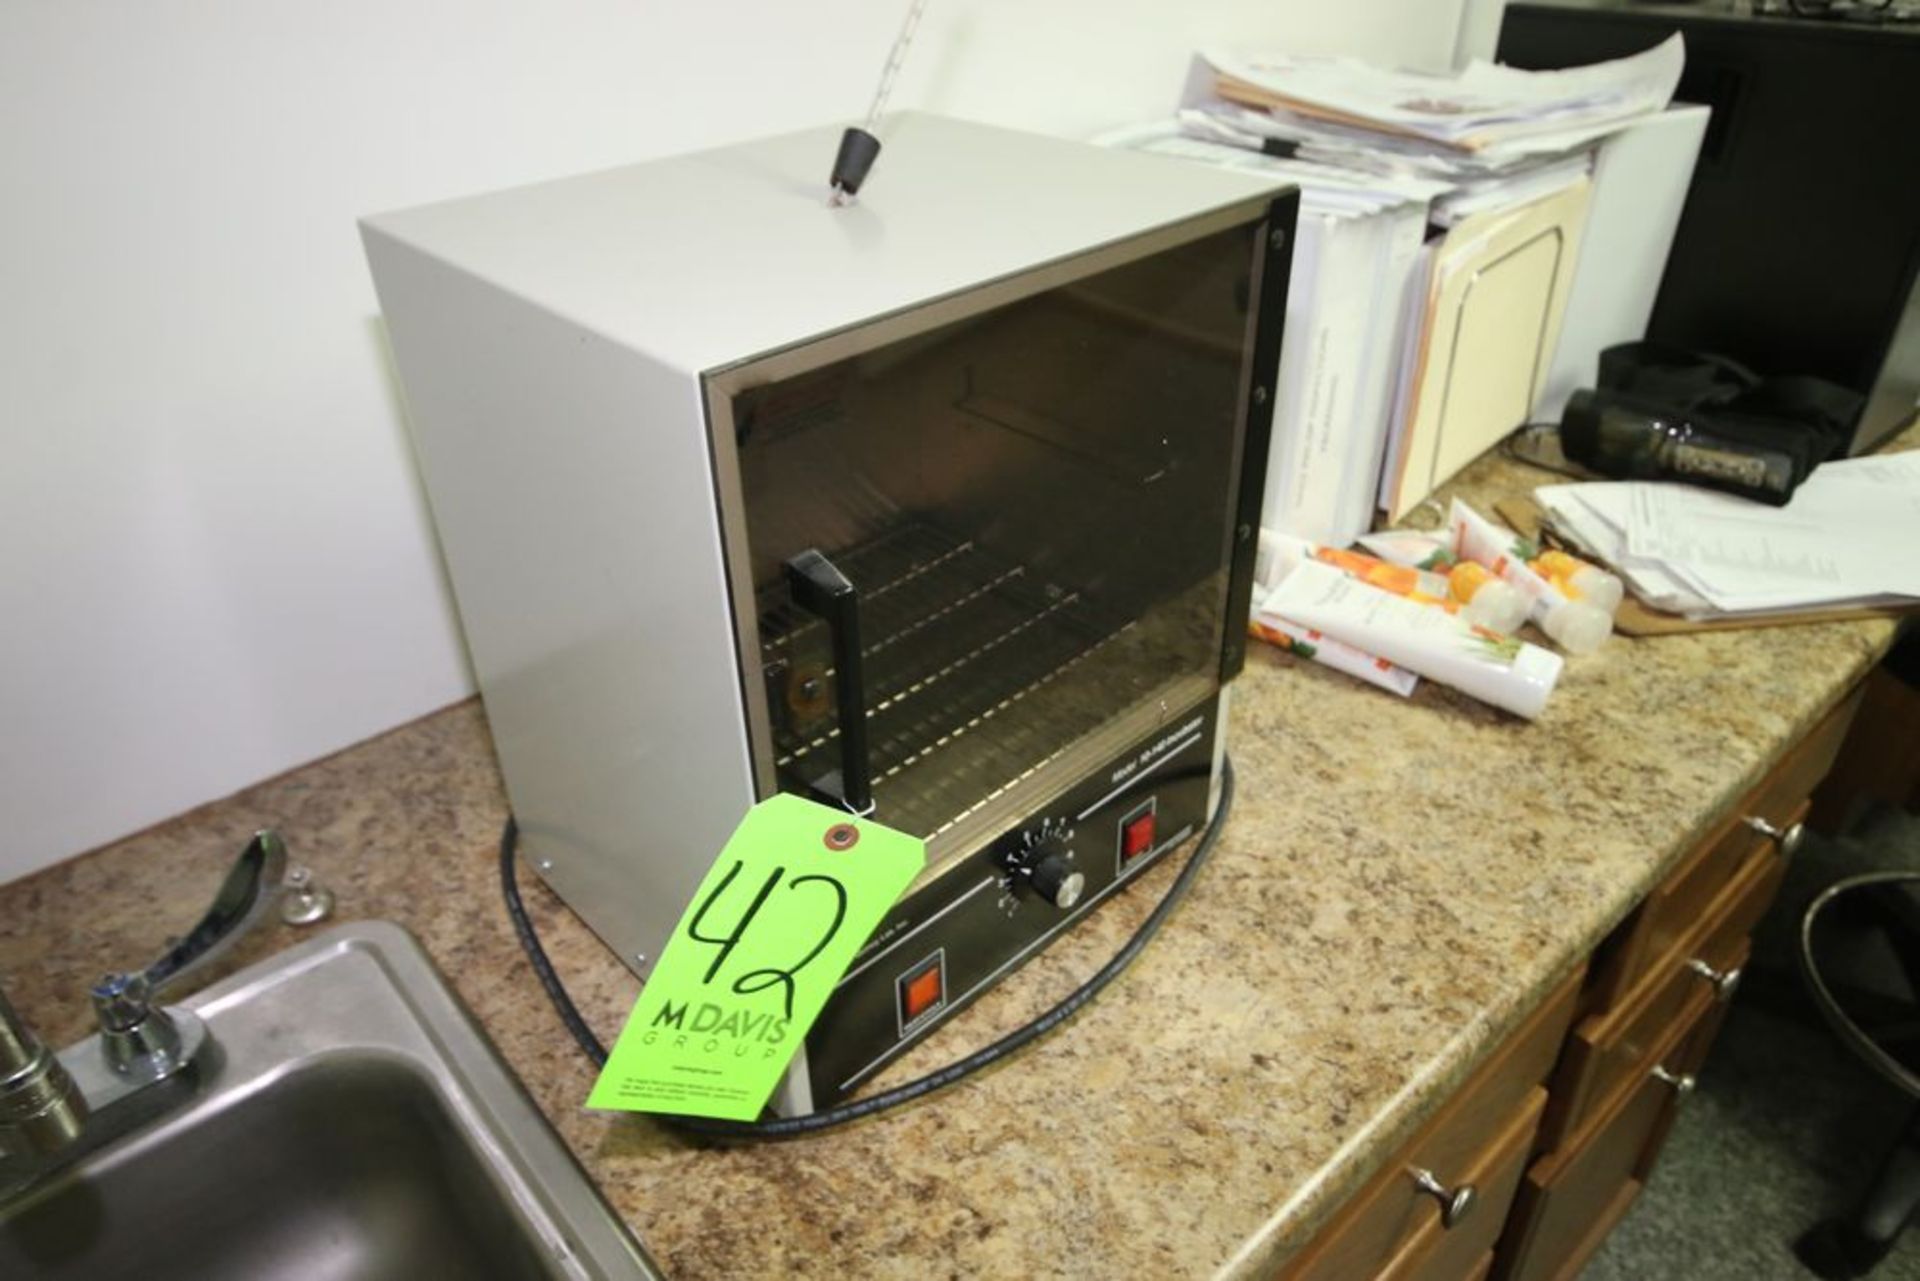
(1055, 879)
(1040, 859)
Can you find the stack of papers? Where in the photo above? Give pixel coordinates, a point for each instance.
(1332, 187)
(1504, 191)
(1440, 221)
(1455, 188)
(1493, 136)
(1847, 540)
(1487, 110)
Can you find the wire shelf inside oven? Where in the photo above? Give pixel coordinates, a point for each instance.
(979, 672)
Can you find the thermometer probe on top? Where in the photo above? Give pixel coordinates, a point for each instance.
(859, 148)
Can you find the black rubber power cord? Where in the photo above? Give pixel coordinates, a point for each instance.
(791, 1127)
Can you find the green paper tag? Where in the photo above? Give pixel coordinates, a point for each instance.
(774, 925)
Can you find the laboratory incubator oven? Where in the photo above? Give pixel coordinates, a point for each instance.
(939, 506)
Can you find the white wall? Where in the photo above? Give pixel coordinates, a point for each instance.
(1479, 30)
(214, 560)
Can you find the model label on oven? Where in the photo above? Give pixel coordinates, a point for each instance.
(1172, 739)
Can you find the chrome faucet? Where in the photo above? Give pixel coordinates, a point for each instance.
(55, 1108)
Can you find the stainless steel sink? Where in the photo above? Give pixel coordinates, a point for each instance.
(351, 1122)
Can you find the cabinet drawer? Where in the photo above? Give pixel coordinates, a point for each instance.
(1370, 1230)
(1780, 801)
(1675, 908)
(1606, 1049)
(1600, 1063)
(1570, 1200)
(1436, 1252)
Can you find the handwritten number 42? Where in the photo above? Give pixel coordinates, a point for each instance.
(760, 980)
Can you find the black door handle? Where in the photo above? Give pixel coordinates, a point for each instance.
(821, 589)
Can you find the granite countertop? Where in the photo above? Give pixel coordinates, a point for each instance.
(1399, 883)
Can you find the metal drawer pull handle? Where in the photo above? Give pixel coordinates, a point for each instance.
(1455, 1203)
(1682, 1082)
(1723, 981)
(1786, 840)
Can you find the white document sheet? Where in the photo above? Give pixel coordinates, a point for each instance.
(1851, 536)
(1847, 528)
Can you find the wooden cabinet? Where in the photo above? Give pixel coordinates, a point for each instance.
(1437, 1252)
(1559, 1129)
(1661, 986)
(1763, 819)
(1608, 1046)
(1393, 1227)
(1571, 1198)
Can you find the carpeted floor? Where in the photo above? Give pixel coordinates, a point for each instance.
(1786, 1126)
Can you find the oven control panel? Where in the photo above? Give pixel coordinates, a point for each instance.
(945, 944)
